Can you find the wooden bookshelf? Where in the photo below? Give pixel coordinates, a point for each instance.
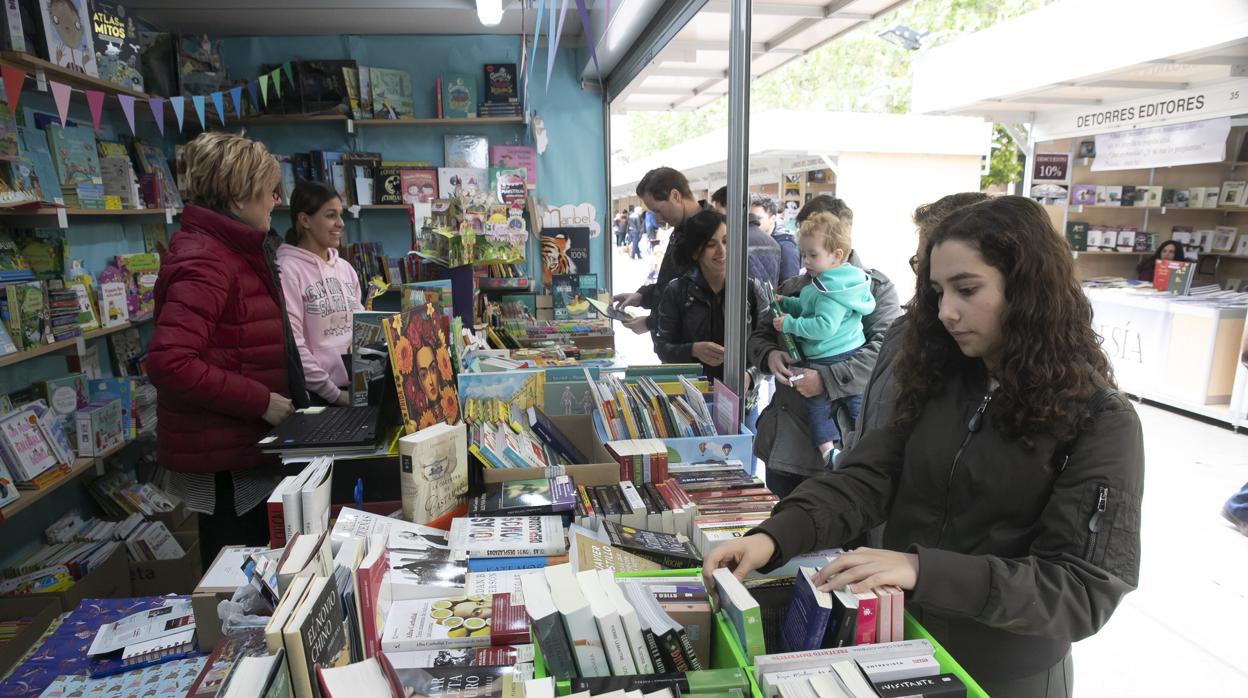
(64, 76)
(279, 119)
(76, 469)
(44, 349)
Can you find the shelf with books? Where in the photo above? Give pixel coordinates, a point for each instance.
(473, 121)
(18, 357)
(66, 76)
(370, 207)
(77, 468)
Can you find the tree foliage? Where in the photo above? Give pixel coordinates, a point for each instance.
(858, 72)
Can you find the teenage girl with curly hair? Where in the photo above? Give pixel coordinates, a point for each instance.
(1011, 479)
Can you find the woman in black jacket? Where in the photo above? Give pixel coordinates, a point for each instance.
(691, 314)
(1012, 477)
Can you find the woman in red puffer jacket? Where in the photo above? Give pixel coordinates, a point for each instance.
(222, 357)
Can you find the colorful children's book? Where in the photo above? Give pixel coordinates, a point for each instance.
(392, 93)
(516, 157)
(25, 448)
(466, 151)
(117, 51)
(461, 182)
(419, 186)
(459, 96)
(69, 39)
(501, 84)
(33, 144)
(140, 272)
(564, 251)
(74, 154)
(570, 294)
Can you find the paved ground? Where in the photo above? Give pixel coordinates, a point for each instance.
(1184, 632)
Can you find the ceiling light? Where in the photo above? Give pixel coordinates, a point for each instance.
(901, 35)
(490, 12)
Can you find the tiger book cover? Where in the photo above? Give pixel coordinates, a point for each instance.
(423, 373)
(564, 251)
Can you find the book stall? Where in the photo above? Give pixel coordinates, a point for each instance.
(1125, 175)
(511, 512)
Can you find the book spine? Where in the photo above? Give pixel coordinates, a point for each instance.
(662, 663)
(672, 651)
(13, 19)
(552, 638)
(868, 612)
(686, 646)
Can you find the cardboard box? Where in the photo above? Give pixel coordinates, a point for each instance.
(204, 600)
(110, 580)
(588, 475)
(696, 449)
(40, 610)
(180, 519)
(160, 577)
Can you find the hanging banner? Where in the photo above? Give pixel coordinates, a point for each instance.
(236, 94)
(264, 89)
(557, 33)
(587, 27)
(218, 102)
(127, 108)
(157, 105)
(254, 90)
(14, 78)
(198, 101)
(95, 102)
(289, 75)
(179, 109)
(1192, 143)
(276, 77)
(60, 93)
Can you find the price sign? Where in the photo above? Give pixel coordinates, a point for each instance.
(1050, 167)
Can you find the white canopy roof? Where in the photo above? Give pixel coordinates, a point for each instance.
(796, 141)
(1085, 56)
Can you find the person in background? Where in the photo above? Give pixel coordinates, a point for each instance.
(635, 228)
(222, 356)
(783, 438)
(619, 228)
(1236, 508)
(880, 393)
(764, 208)
(1168, 250)
(1032, 540)
(691, 315)
(665, 191)
(763, 254)
(652, 230)
(826, 318)
(322, 290)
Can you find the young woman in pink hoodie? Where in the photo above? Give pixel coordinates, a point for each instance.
(322, 290)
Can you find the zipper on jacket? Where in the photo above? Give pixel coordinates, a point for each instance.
(1094, 523)
(972, 427)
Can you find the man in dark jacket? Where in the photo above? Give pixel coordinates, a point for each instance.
(764, 208)
(764, 259)
(666, 192)
(783, 438)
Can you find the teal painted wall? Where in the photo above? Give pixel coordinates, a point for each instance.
(571, 171)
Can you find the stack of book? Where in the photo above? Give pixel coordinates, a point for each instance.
(501, 437)
(728, 502)
(708, 682)
(662, 506)
(54, 567)
(645, 410)
(34, 446)
(300, 503)
(588, 624)
(63, 313)
(891, 670)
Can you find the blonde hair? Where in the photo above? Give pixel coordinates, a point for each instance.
(830, 229)
(223, 168)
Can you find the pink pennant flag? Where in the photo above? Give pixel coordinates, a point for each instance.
(179, 109)
(95, 101)
(60, 93)
(14, 78)
(158, 112)
(127, 108)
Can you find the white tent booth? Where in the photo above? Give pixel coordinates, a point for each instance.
(1139, 134)
(885, 165)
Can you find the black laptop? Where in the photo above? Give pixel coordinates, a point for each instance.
(340, 430)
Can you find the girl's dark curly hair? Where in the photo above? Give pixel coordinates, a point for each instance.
(696, 233)
(1051, 364)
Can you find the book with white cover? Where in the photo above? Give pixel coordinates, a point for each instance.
(433, 471)
(400, 534)
(591, 657)
(628, 616)
(852, 679)
(614, 639)
(787, 661)
(900, 669)
(508, 536)
(314, 496)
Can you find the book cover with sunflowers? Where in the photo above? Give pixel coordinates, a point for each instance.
(423, 373)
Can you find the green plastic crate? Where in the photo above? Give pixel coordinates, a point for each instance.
(726, 652)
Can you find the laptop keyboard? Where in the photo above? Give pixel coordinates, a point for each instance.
(337, 425)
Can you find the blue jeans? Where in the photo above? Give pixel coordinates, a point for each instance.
(821, 408)
(1237, 505)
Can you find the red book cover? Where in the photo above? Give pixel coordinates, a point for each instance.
(437, 86)
(718, 494)
(277, 524)
(418, 186)
(868, 606)
(370, 581)
(1161, 274)
(509, 624)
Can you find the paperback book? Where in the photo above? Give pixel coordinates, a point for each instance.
(508, 536)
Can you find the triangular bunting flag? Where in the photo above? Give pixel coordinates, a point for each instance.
(14, 78)
(276, 77)
(289, 75)
(179, 109)
(158, 112)
(95, 102)
(236, 94)
(588, 28)
(198, 101)
(127, 108)
(60, 93)
(218, 101)
(264, 88)
(254, 90)
(553, 46)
